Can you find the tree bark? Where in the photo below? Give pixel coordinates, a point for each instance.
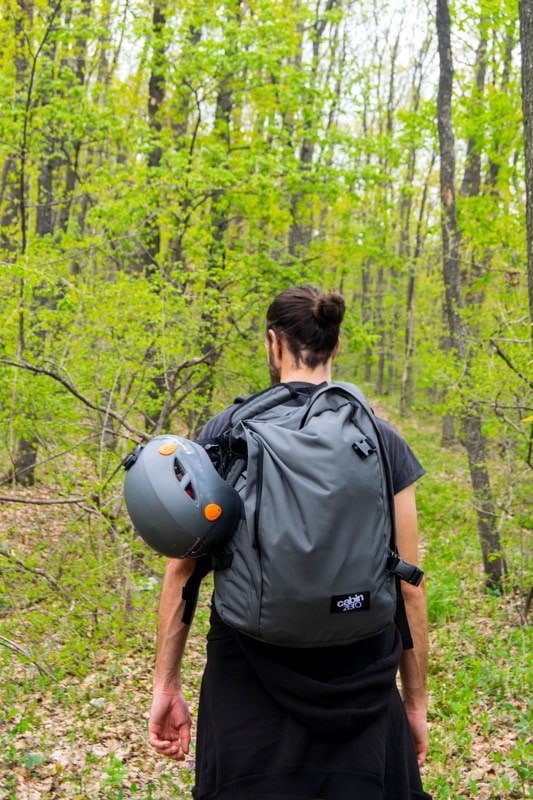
(25, 458)
(470, 420)
(526, 42)
(151, 235)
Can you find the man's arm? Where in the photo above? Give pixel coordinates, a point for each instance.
(169, 728)
(413, 664)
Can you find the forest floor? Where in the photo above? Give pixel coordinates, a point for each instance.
(87, 739)
(75, 683)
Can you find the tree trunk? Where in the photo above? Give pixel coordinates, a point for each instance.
(380, 325)
(470, 421)
(526, 41)
(474, 443)
(406, 383)
(366, 288)
(151, 235)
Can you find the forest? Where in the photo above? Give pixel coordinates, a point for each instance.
(166, 168)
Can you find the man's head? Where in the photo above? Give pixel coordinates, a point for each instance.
(306, 322)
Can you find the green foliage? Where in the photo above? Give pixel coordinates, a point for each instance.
(142, 236)
(480, 648)
(79, 599)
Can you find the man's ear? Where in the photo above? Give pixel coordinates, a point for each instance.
(273, 343)
(336, 349)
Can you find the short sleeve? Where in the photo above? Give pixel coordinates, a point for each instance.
(405, 466)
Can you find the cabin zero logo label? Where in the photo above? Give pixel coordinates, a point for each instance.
(355, 601)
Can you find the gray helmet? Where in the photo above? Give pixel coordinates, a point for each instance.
(177, 500)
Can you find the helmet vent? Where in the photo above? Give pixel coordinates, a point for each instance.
(184, 478)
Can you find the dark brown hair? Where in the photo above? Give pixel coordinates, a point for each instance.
(309, 321)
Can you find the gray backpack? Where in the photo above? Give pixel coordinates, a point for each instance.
(313, 561)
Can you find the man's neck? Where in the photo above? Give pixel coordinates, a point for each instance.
(305, 375)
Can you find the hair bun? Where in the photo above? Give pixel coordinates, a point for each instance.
(329, 308)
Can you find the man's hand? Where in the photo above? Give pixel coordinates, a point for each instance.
(419, 729)
(169, 728)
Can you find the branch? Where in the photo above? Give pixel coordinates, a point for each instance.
(5, 551)
(67, 384)
(19, 650)
(31, 501)
(509, 363)
(170, 404)
(102, 409)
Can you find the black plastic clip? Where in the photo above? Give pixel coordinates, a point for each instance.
(363, 447)
(404, 570)
(130, 459)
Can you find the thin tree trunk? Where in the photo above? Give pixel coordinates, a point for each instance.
(25, 458)
(151, 235)
(380, 326)
(470, 421)
(301, 229)
(406, 384)
(526, 41)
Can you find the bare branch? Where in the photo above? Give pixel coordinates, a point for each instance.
(67, 384)
(7, 553)
(21, 651)
(32, 501)
(105, 410)
(497, 349)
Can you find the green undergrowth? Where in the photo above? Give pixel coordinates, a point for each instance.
(77, 626)
(480, 675)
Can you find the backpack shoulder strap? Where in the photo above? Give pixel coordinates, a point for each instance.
(258, 403)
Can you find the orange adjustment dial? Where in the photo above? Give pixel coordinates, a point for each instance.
(168, 448)
(212, 511)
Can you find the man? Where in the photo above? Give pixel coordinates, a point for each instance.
(300, 724)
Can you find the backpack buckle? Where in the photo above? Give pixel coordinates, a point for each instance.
(363, 447)
(404, 570)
